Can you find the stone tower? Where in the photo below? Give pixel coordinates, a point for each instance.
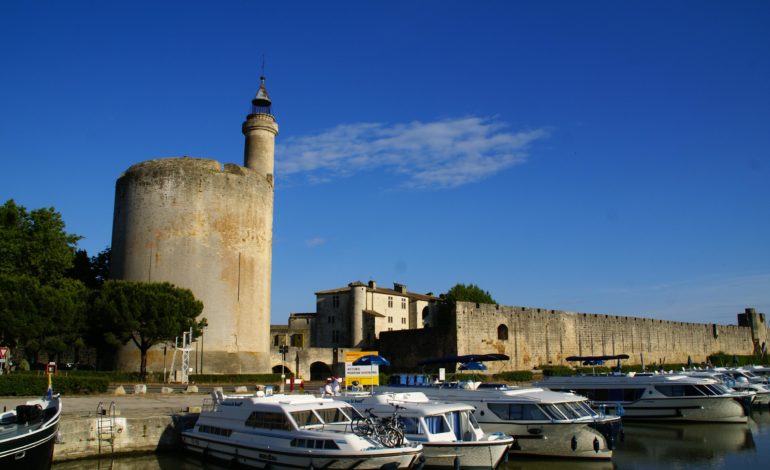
(209, 228)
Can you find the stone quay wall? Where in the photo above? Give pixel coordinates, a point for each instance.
(533, 337)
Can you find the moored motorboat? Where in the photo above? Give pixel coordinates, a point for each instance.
(543, 423)
(28, 434)
(760, 392)
(656, 396)
(450, 435)
(290, 431)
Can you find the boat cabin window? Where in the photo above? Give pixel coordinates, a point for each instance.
(215, 430)
(268, 420)
(436, 424)
(463, 424)
(516, 411)
(411, 425)
(314, 443)
(612, 394)
(680, 390)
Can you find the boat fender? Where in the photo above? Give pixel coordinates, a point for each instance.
(573, 443)
(456, 463)
(619, 410)
(596, 445)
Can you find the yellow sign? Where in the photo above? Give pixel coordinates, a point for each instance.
(364, 375)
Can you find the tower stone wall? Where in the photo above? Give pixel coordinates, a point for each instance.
(198, 225)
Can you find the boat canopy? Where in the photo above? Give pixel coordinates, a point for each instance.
(596, 360)
(465, 359)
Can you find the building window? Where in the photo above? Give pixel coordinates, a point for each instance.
(502, 332)
(403, 321)
(403, 303)
(335, 301)
(390, 329)
(390, 301)
(390, 319)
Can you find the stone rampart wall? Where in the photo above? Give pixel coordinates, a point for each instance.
(543, 336)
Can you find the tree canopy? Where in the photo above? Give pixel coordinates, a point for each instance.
(145, 314)
(40, 308)
(34, 243)
(469, 293)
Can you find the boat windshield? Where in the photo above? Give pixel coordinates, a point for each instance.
(333, 415)
(571, 412)
(585, 407)
(309, 418)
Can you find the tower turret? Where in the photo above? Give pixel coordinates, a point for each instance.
(260, 130)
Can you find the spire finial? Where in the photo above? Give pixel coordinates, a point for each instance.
(261, 102)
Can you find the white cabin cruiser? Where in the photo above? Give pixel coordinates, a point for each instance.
(289, 432)
(543, 423)
(448, 432)
(760, 391)
(672, 397)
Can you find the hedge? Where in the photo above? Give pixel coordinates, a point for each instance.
(37, 385)
(235, 378)
(515, 376)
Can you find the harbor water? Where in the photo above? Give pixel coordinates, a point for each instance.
(647, 446)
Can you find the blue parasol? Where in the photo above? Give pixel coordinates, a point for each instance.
(473, 366)
(371, 360)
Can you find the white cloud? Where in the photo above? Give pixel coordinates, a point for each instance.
(441, 154)
(314, 242)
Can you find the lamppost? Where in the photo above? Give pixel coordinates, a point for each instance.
(283, 349)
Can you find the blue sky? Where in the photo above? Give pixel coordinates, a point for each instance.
(601, 156)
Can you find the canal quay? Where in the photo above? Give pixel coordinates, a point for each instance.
(147, 439)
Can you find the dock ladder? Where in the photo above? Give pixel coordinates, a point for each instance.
(105, 426)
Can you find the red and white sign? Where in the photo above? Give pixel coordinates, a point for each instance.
(3, 353)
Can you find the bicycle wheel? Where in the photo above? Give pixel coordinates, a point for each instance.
(362, 427)
(392, 437)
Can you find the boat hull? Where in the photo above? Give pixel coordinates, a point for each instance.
(554, 440)
(687, 409)
(246, 454)
(477, 454)
(30, 450)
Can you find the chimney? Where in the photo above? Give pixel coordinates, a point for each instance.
(372, 285)
(399, 287)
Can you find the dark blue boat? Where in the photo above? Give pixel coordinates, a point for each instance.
(28, 433)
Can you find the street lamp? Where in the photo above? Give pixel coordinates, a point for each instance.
(283, 349)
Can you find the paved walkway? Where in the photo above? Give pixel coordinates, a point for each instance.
(151, 404)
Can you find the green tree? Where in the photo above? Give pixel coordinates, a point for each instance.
(34, 243)
(145, 314)
(469, 293)
(91, 271)
(40, 309)
(42, 318)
